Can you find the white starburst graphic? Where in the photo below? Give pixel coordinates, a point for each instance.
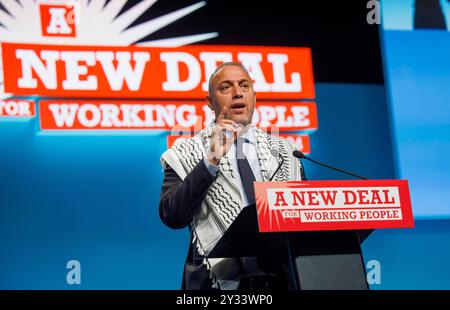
(98, 23)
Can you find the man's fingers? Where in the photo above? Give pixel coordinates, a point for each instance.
(229, 128)
(227, 121)
(239, 130)
(222, 114)
(224, 134)
(217, 131)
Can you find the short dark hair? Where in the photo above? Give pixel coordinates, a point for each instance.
(225, 64)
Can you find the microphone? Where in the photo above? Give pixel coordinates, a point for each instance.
(275, 153)
(300, 155)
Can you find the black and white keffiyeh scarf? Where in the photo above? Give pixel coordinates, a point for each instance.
(223, 202)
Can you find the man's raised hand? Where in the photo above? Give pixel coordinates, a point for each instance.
(224, 134)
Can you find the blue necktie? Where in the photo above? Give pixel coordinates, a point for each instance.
(245, 171)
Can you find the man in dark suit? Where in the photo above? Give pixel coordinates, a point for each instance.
(209, 178)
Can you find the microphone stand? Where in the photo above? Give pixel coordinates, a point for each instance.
(362, 234)
(300, 155)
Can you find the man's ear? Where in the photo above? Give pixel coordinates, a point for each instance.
(209, 102)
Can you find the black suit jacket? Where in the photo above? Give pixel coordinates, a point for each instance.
(179, 202)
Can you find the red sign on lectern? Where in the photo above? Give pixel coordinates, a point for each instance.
(333, 205)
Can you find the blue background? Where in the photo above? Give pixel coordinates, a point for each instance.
(94, 198)
(417, 67)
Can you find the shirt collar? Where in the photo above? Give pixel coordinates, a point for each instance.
(249, 135)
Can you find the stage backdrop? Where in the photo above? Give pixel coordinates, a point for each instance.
(416, 40)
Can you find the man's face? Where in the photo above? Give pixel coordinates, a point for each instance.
(232, 88)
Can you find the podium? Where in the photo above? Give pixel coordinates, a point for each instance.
(322, 255)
